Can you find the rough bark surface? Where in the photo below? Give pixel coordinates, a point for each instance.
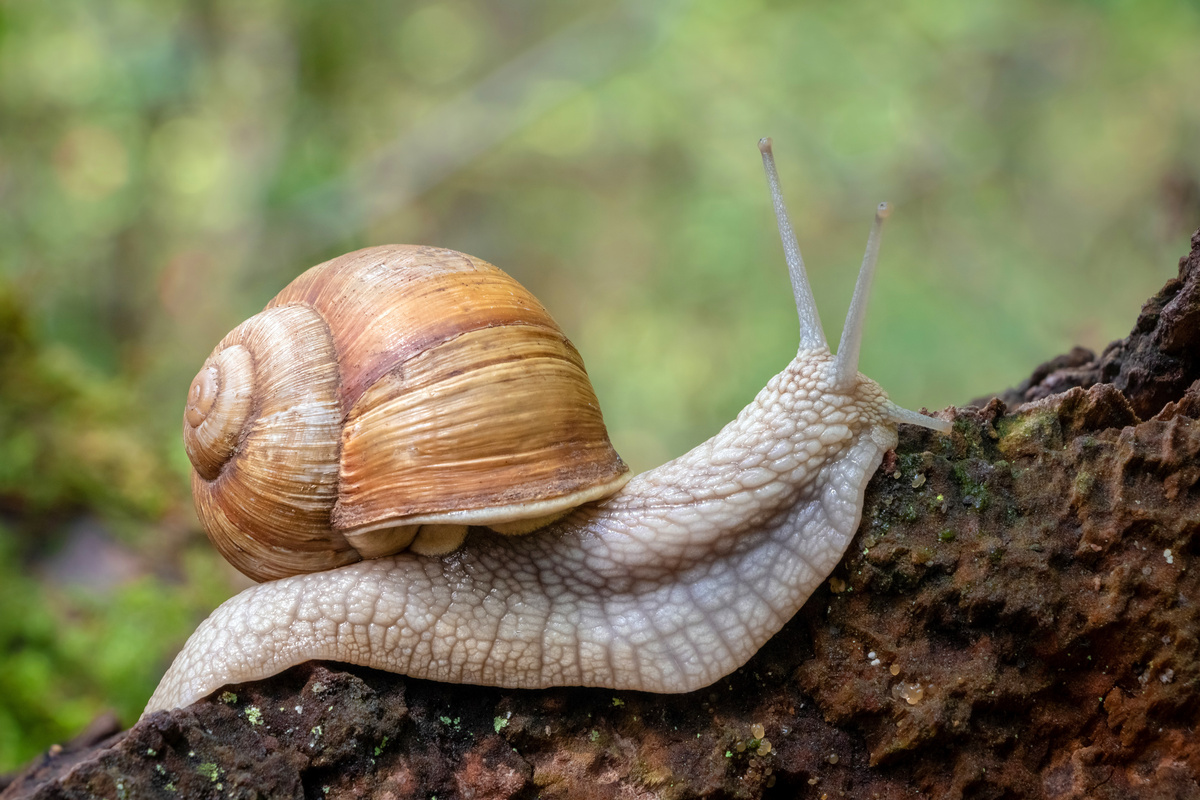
(1018, 617)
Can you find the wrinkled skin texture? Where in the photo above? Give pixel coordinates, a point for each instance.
(667, 586)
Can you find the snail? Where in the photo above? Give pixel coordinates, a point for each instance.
(664, 585)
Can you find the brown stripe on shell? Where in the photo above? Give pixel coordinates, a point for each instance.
(490, 418)
(387, 304)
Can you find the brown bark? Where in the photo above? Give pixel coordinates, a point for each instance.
(1017, 617)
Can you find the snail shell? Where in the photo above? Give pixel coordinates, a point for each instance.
(385, 399)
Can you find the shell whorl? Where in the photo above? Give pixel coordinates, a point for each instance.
(280, 479)
(219, 401)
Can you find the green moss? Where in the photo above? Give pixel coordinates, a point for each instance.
(1037, 428)
(974, 492)
(69, 435)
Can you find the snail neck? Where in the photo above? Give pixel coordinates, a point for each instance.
(739, 486)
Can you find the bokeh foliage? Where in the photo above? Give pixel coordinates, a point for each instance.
(166, 166)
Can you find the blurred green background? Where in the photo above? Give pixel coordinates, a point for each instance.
(167, 166)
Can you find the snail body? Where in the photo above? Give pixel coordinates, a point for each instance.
(666, 585)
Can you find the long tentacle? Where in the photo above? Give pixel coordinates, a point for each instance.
(812, 337)
(845, 365)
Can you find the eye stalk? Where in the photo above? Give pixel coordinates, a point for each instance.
(845, 370)
(812, 336)
(845, 365)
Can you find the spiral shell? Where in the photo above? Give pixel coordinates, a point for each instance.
(391, 396)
